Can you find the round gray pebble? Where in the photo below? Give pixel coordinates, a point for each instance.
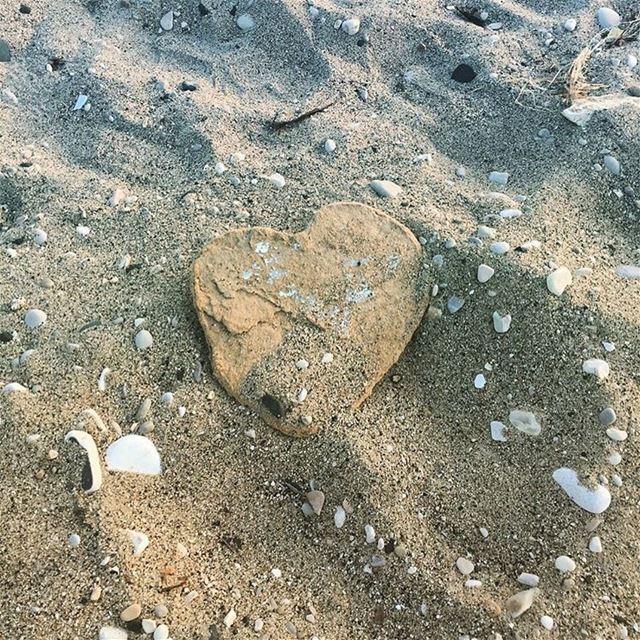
(607, 416)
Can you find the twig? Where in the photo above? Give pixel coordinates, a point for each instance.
(281, 124)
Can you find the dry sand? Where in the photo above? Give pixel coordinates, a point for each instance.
(417, 461)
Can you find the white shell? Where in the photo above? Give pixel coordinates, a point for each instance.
(112, 633)
(138, 540)
(525, 421)
(592, 500)
(85, 440)
(135, 454)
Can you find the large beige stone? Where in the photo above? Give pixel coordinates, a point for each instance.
(351, 285)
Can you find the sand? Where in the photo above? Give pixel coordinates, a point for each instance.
(417, 461)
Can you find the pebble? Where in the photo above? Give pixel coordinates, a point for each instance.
(485, 273)
(632, 61)
(465, 566)
(302, 365)
(454, 304)
(351, 26)
(507, 214)
(96, 593)
(276, 573)
(525, 421)
(245, 22)
(592, 500)
(385, 188)
(480, 381)
(463, 73)
(596, 367)
(520, 602)
(570, 24)
(499, 177)
(595, 545)
(499, 248)
(529, 579)
(370, 533)
(609, 347)
(559, 280)
(5, 51)
(498, 431)
(230, 618)
(616, 480)
(472, 584)
(329, 145)
(135, 454)
(35, 318)
(340, 517)
(80, 102)
(148, 625)
(166, 22)
(501, 323)
(612, 164)
(316, 499)
(485, 232)
(14, 387)
(40, 237)
(628, 272)
(139, 541)
(607, 18)
(143, 340)
(461, 172)
(617, 435)
(24, 9)
(161, 611)
(162, 632)
(327, 358)
(83, 231)
(302, 396)
(614, 458)
(131, 612)
(546, 622)
(258, 625)
(143, 409)
(112, 633)
(565, 564)
(74, 540)
(167, 399)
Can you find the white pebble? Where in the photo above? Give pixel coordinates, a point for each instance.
(614, 458)
(525, 421)
(276, 573)
(499, 248)
(484, 532)
(479, 381)
(485, 273)
(546, 622)
(565, 564)
(501, 323)
(302, 365)
(339, 517)
(139, 541)
(570, 24)
(609, 347)
(510, 213)
(83, 231)
(167, 399)
(219, 168)
(628, 272)
(166, 22)
(559, 280)
(351, 26)
(245, 22)
(593, 500)
(40, 237)
(370, 533)
(230, 618)
(143, 340)
(472, 583)
(74, 540)
(485, 232)
(612, 164)
(385, 188)
(499, 177)
(617, 435)
(35, 318)
(277, 180)
(102, 380)
(596, 367)
(161, 632)
(607, 18)
(13, 387)
(465, 566)
(498, 431)
(148, 626)
(595, 545)
(112, 633)
(529, 579)
(327, 358)
(302, 396)
(329, 145)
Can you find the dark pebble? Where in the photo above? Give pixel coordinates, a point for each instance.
(187, 86)
(6, 336)
(5, 52)
(463, 73)
(634, 91)
(629, 191)
(25, 8)
(204, 11)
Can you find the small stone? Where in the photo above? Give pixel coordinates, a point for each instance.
(529, 579)
(617, 435)
(161, 611)
(385, 188)
(302, 365)
(463, 73)
(485, 273)
(614, 458)
(5, 51)
(219, 168)
(351, 26)
(132, 612)
(634, 91)
(276, 573)
(112, 633)
(565, 564)
(74, 540)
(187, 86)
(596, 367)
(40, 237)
(570, 24)
(595, 545)
(546, 622)
(472, 584)
(327, 358)
(258, 625)
(485, 232)
(35, 318)
(525, 421)
(499, 177)
(340, 517)
(520, 602)
(499, 248)
(628, 272)
(24, 9)
(370, 534)
(143, 340)
(559, 280)
(277, 180)
(148, 625)
(465, 566)
(116, 197)
(329, 145)
(454, 304)
(316, 500)
(501, 323)
(245, 22)
(230, 618)
(461, 172)
(161, 632)
(607, 18)
(166, 22)
(612, 164)
(498, 431)
(609, 347)
(96, 593)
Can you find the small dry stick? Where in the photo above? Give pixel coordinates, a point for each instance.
(281, 124)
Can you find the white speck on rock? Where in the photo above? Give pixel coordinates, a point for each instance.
(592, 500)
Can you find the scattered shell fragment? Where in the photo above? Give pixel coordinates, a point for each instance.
(559, 280)
(385, 188)
(525, 421)
(85, 440)
(316, 500)
(135, 454)
(102, 380)
(596, 367)
(498, 431)
(593, 500)
(139, 541)
(520, 602)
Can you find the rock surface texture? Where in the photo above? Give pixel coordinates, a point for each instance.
(350, 285)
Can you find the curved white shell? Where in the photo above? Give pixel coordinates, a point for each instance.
(85, 440)
(135, 454)
(592, 500)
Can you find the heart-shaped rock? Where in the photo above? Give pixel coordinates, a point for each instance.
(302, 326)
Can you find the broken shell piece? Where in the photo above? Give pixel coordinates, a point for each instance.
(139, 541)
(593, 500)
(90, 413)
(135, 454)
(520, 602)
(498, 431)
(85, 440)
(102, 380)
(525, 421)
(316, 500)
(13, 387)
